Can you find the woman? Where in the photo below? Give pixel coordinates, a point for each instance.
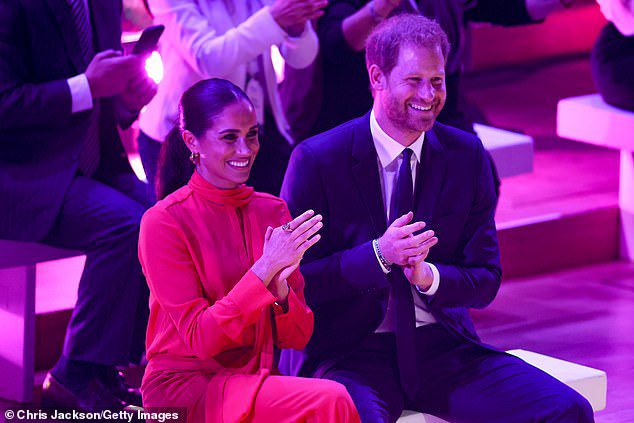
(221, 262)
(231, 39)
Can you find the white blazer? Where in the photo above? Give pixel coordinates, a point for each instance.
(202, 39)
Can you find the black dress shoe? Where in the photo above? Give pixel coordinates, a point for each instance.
(93, 398)
(114, 382)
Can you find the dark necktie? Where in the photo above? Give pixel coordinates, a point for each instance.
(402, 301)
(81, 19)
(89, 154)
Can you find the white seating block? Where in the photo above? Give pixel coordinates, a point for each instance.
(414, 417)
(590, 120)
(511, 152)
(18, 262)
(590, 383)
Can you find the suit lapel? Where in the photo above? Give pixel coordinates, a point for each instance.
(430, 178)
(61, 12)
(365, 171)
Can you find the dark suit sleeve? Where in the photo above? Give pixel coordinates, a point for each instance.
(24, 104)
(330, 31)
(500, 12)
(329, 274)
(473, 277)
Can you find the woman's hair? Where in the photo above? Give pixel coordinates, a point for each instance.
(198, 108)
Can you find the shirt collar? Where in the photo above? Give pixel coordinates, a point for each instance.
(387, 148)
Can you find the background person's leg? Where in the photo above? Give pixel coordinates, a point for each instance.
(103, 222)
(128, 184)
(149, 151)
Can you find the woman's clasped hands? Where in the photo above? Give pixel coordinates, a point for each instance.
(283, 250)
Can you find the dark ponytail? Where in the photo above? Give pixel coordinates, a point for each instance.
(174, 166)
(198, 108)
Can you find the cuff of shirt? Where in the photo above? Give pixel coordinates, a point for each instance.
(539, 9)
(80, 93)
(435, 283)
(251, 296)
(272, 26)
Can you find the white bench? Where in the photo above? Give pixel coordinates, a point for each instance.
(511, 152)
(18, 262)
(589, 382)
(590, 120)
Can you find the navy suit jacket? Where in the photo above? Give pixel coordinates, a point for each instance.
(40, 139)
(336, 174)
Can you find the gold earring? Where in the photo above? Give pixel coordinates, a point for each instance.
(194, 158)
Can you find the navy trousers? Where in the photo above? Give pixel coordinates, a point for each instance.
(462, 382)
(101, 217)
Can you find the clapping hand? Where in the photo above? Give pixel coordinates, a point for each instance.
(292, 15)
(283, 250)
(399, 244)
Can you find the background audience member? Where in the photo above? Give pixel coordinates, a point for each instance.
(224, 284)
(346, 24)
(231, 39)
(612, 57)
(65, 180)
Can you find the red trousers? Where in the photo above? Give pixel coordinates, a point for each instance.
(286, 399)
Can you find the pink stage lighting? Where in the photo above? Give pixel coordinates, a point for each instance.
(154, 67)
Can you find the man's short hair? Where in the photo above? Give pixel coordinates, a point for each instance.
(384, 43)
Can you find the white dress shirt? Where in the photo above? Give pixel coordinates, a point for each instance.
(389, 158)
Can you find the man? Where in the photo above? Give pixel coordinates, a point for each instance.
(390, 301)
(65, 180)
(346, 24)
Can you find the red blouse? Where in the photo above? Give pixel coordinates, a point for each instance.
(211, 317)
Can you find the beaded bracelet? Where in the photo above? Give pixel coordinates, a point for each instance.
(379, 254)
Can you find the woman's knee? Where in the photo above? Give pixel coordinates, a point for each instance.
(334, 394)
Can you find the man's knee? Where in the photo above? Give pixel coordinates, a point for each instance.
(567, 407)
(577, 408)
(126, 223)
